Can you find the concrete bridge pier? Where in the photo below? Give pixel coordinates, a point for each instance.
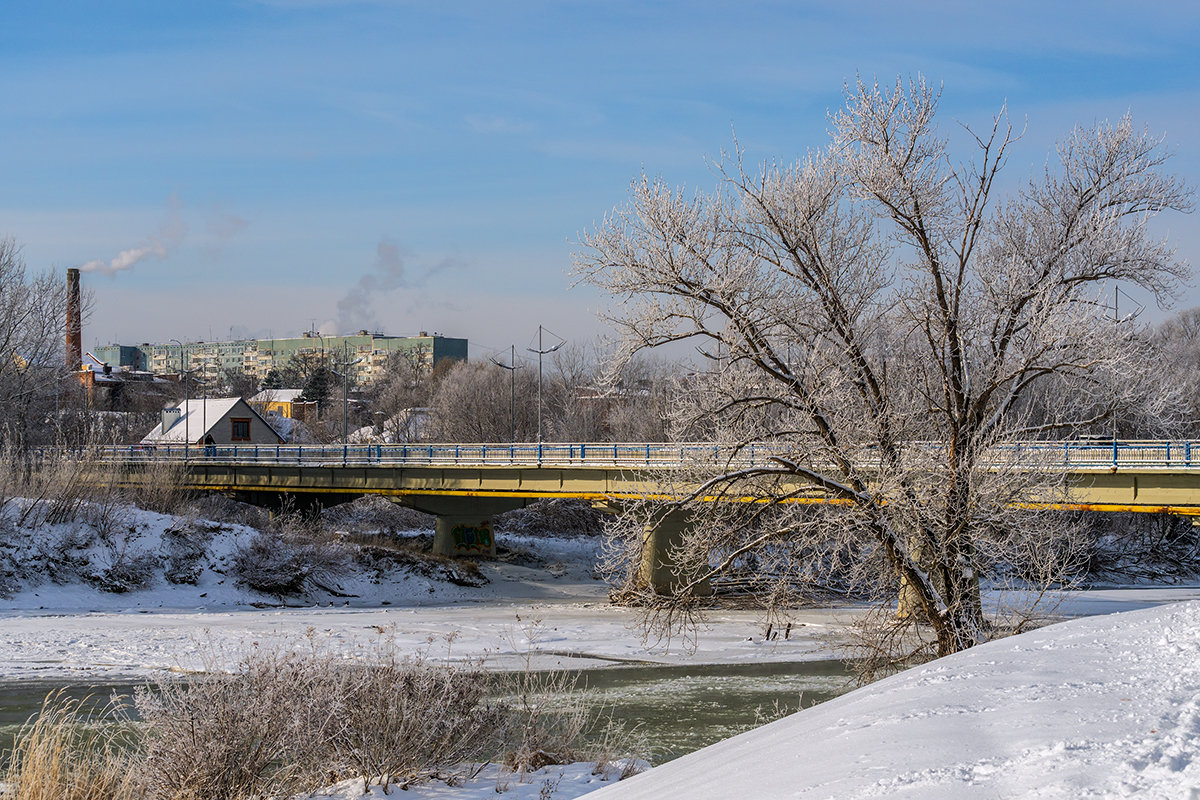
(463, 524)
(463, 535)
(659, 571)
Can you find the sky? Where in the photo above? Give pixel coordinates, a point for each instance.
(237, 168)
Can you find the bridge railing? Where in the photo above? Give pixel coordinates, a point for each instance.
(623, 454)
(1056, 454)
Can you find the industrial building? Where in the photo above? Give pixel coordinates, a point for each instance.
(257, 357)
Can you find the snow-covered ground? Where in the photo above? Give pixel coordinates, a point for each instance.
(1107, 706)
(1100, 707)
(66, 626)
(558, 782)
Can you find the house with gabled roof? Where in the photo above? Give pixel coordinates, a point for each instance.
(285, 403)
(214, 420)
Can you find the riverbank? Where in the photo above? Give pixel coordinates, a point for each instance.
(77, 632)
(542, 602)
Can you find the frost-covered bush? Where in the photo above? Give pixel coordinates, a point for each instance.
(288, 721)
(251, 734)
(293, 555)
(117, 561)
(1154, 547)
(556, 517)
(374, 514)
(407, 719)
(184, 548)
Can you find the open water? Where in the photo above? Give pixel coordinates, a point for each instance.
(675, 709)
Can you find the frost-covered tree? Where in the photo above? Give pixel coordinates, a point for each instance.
(885, 320)
(32, 312)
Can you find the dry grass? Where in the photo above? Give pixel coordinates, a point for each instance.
(62, 755)
(159, 486)
(294, 718)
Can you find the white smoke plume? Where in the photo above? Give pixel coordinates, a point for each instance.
(355, 311)
(156, 246)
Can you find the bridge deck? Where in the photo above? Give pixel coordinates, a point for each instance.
(1147, 476)
(1122, 454)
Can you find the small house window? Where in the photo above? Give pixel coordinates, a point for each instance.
(241, 430)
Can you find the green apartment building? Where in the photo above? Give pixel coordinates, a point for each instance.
(257, 357)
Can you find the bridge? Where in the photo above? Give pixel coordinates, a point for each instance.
(465, 485)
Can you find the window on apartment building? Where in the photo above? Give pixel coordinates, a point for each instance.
(241, 429)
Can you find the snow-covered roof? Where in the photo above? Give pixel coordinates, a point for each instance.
(194, 422)
(277, 396)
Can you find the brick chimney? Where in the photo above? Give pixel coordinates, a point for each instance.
(74, 325)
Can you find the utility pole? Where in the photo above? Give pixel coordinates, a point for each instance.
(541, 352)
(183, 378)
(345, 393)
(204, 407)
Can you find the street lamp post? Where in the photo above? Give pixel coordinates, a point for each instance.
(512, 368)
(541, 352)
(345, 364)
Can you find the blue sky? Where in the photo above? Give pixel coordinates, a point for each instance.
(427, 166)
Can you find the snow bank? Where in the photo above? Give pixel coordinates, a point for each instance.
(145, 560)
(1098, 707)
(558, 782)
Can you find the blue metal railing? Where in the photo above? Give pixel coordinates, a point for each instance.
(1127, 454)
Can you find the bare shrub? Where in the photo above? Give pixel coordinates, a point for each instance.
(548, 720)
(554, 517)
(280, 565)
(374, 514)
(256, 733)
(184, 546)
(407, 719)
(1159, 547)
(382, 555)
(293, 555)
(107, 513)
(56, 486)
(120, 565)
(548, 717)
(159, 486)
(218, 508)
(61, 755)
(620, 751)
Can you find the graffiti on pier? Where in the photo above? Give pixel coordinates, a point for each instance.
(472, 538)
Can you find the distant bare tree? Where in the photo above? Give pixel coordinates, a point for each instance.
(587, 400)
(32, 331)
(471, 404)
(642, 400)
(1178, 340)
(573, 394)
(398, 399)
(237, 383)
(877, 295)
